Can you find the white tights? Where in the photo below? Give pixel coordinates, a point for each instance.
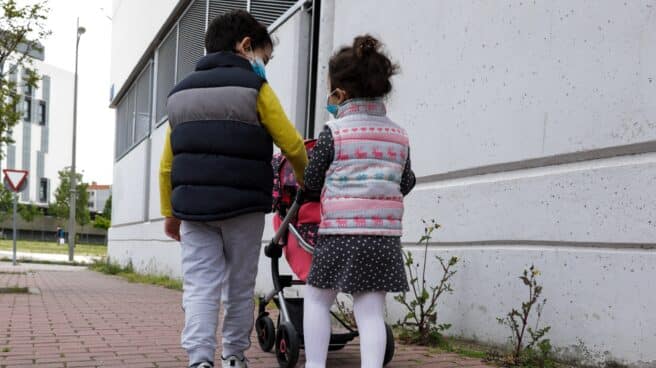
(369, 311)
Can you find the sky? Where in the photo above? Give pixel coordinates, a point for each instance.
(95, 140)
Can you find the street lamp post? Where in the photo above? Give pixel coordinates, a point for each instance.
(73, 193)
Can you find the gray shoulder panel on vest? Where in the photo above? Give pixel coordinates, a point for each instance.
(214, 103)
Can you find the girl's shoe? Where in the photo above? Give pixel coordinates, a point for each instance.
(233, 362)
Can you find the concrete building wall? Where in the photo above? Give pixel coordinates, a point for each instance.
(532, 128)
(533, 133)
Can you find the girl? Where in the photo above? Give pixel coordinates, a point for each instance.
(361, 165)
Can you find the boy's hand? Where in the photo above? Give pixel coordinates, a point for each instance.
(172, 228)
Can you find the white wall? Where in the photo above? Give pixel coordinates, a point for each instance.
(549, 93)
(134, 25)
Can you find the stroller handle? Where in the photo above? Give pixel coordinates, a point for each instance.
(274, 250)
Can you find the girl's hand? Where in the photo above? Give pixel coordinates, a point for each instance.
(172, 228)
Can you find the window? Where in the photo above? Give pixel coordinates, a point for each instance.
(220, 7)
(42, 113)
(175, 58)
(27, 109)
(143, 105)
(122, 125)
(27, 90)
(133, 114)
(267, 11)
(43, 190)
(165, 72)
(190, 39)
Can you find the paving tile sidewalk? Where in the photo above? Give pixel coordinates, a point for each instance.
(81, 318)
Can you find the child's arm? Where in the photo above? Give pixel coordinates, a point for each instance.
(322, 156)
(171, 224)
(282, 131)
(408, 179)
(165, 164)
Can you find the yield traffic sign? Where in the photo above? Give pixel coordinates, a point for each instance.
(16, 179)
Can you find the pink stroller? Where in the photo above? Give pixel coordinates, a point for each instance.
(296, 221)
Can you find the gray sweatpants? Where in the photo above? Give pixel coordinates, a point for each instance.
(219, 263)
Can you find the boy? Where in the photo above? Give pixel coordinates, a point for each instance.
(216, 181)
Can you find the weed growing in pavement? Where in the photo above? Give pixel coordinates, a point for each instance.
(420, 326)
(530, 347)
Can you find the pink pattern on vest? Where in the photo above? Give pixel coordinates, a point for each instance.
(362, 194)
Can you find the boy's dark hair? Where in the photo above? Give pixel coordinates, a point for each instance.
(362, 70)
(226, 30)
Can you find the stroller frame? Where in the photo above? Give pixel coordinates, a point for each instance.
(288, 336)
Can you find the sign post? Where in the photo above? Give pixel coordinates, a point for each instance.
(16, 181)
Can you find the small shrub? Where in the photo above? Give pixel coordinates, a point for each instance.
(420, 323)
(530, 348)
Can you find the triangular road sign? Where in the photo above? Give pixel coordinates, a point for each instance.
(15, 178)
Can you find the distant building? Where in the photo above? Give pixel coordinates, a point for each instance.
(42, 139)
(98, 196)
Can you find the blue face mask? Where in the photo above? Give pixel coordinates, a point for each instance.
(332, 108)
(257, 65)
(258, 68)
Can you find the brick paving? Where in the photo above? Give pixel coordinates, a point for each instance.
(80, 318)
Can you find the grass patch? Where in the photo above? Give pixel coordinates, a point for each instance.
(14, 290)
(54, 248)
(6, 349)
(38, 261)
(12, 273)
(127, 272)
(464, 348)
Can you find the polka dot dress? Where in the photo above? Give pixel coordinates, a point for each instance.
(358, 263)
(353, 263)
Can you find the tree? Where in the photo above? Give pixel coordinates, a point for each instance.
(104, 221)
(28, 212)
(6, 203)
(61, 207)
(21, 28)
(107, 211)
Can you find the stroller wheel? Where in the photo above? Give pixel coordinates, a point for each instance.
(287, 345)
(266, 333)
(389, 349)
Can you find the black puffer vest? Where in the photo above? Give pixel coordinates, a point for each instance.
(221, 153)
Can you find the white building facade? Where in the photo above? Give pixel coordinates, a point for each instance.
(98, 196)
(42, 138)
(533, 134)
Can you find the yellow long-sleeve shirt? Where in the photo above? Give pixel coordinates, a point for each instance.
(274, 120)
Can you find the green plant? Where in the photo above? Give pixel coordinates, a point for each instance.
(109, 267)
(420, 322)
(29, 212)
(107, 210)
(61, 207)
(101, 222)
(530, 348)
(14, 290)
